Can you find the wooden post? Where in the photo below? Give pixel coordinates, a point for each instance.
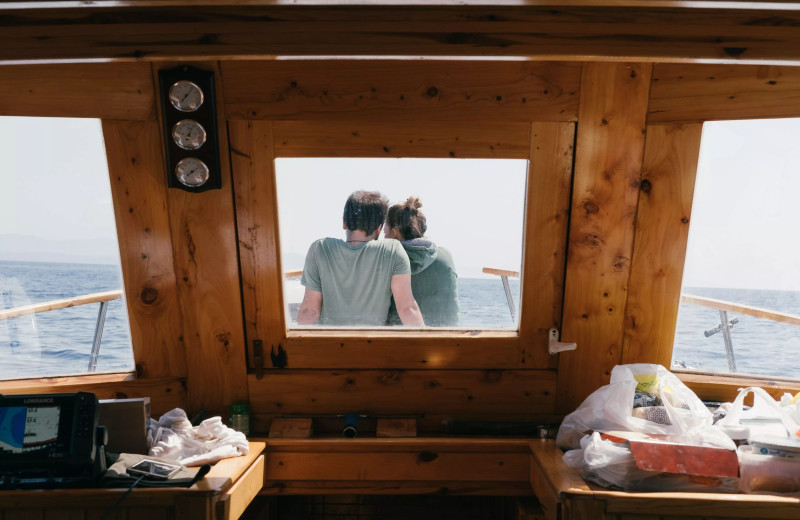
(611, 125)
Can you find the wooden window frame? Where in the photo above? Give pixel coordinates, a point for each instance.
(258, 143)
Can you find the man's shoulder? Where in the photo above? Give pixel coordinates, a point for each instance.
(387, 245)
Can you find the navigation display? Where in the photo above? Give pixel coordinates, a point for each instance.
(26, 429)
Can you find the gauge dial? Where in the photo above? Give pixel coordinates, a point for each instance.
(186, 96)
(192, 172)
(189, 134)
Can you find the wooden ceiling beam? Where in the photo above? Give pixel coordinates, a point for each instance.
(598, 31)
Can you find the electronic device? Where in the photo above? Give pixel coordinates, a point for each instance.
(153, 469)
(50, 441)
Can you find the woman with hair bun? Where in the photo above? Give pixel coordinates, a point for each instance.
(434, 281)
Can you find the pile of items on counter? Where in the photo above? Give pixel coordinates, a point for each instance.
(647, 431)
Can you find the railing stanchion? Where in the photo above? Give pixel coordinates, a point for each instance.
(726, 334)
(98, 335)
(510, 299)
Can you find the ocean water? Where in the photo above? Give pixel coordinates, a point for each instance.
(760, 346)
(59, 343)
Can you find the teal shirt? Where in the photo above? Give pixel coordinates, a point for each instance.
(434, 283)
(355, 281)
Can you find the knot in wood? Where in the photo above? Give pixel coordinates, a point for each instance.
(149, 295)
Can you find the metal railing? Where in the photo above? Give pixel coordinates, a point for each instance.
(102, 298)
(726, 324)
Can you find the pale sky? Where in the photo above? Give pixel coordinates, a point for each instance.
(743, 233)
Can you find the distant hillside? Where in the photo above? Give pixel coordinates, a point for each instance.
(22, 248)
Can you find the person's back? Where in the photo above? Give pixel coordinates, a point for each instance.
(434, 283)
(354, 279)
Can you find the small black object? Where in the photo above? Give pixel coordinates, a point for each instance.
(350, 425)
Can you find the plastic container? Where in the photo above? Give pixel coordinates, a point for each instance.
(240, 418)
(759, 473)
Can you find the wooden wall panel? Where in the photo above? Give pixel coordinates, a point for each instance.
(403, 349)
(689, 93)
(101, 90)
(402, 139)
(138, 189)
(547, 215)
(206, 264)
(611, 126)
(252, 162)
(470, 393)
(402, 90)
(662, 230)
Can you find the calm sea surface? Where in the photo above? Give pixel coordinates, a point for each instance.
(60, 342)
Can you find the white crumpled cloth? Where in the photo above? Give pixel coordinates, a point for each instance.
(173, 436)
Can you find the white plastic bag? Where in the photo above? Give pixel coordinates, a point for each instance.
(611, 408)
(765, 417)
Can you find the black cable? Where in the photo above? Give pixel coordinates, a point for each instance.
(120, 499)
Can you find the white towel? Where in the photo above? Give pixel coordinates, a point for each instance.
(173, 436)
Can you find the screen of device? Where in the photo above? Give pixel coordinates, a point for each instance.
(152, 468)
(29, 428)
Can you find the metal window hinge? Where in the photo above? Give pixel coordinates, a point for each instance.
(258, 358)
(554, 346)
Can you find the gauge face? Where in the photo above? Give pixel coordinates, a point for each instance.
(189, 134)
(191, 172)
(186, 96)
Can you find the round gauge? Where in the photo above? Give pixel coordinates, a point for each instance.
(191, 172)
(189, 134)
(185, 95)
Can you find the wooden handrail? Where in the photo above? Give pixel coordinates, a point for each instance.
(60, 304)
(501, 272)
(757, 312)
(293, 274)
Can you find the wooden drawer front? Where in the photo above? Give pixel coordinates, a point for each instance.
(399, 466)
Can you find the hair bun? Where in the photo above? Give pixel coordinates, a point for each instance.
(413, 202)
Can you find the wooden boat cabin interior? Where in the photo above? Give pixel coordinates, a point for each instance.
(603, 102)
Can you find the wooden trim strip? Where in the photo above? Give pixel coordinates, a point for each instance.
(65, 303)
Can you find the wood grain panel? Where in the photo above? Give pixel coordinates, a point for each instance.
(401, 139)
(165, 393)
(235, 500)
(252, 163)
(206, 264)
(465, 393)
(547, 215)
(662, 32)
(605, 192)
(425, 465)
(402, 90)
(101, 90)
(377, 349)
(360, 487)
(700, 505)
(689, 93)
(662, 230)
(139, 193)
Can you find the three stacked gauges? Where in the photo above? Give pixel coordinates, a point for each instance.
(190, 129)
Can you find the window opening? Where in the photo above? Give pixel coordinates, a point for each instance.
(62, 309)
(740, 304)
(474, 212)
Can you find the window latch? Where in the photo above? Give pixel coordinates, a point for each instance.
(554, 346)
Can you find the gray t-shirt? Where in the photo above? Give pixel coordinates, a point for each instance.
(355, 281)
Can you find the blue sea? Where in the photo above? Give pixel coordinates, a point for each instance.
(59, 343)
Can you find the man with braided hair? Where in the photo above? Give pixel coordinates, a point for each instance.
(353, 281)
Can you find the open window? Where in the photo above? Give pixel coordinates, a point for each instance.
(740, 302)
(62, 308)
(465, 264)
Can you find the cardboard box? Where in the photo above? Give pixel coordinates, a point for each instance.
(126, 422)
